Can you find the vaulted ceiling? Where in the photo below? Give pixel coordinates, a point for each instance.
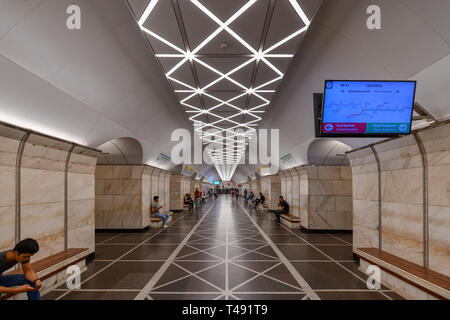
(104, 82)
(224, 60)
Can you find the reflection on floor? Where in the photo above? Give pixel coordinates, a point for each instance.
(224, 250)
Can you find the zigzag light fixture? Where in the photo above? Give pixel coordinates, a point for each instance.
(227, 159)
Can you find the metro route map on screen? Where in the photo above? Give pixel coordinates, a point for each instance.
(368, 107)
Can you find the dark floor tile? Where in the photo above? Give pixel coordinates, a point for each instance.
(255, 266)
(253, 256)
(320, 239)
(196, 266)
(101, 295)
(124, 275)
(155, 252)
(181, 296)
(198, 256)
(350, 295)
(100, 237)
(337, 252)
(268, 251)
(91, 268)
(215, 275)
(300, 252)
(189, 284)
(167, 238)
(328, 275)
(130, 238)
(172, 273)
(238, 275)
(394, 295)
(233, 252)
(52, 295)
(264, 284)
(286, 239)
(268, 296)
(345, 237)
(111, 252)
(354, 267)
(219, 252)
(282, 273)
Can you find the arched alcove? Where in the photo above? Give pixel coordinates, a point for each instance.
(121, 151)
(324, 152)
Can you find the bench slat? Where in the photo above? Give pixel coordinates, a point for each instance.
(428, 280)
(51, 260)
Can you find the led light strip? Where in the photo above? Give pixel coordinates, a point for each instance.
(257, 56)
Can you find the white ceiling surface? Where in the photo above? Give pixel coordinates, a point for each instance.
(261, 37)
(412, 44)
(103, 82)
(88, 86)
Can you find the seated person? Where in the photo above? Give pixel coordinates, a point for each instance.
(28, 281)
(261, 200)
(188, 200)
(283, 208)
(155, 210)
(251, 196)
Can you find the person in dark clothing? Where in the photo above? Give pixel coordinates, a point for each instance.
(261, 200)
(283, 208)
(188, 200)
(251, 196)
(28, 281)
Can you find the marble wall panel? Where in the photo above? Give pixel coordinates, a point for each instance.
(146, 200)
(177, 186)
(42, 198)
(295, 203)
(44, 223)
(82, 237)
(8, 155)
(402, 196)
(120, 204)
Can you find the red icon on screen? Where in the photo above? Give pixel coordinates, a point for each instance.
(345, 127)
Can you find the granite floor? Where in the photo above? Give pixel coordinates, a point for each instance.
(223, 250)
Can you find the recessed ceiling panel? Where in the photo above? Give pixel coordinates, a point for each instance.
(216, 46)
(251, 25)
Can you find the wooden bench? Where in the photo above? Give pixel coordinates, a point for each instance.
(156, 223)
(408, 279)
(52, 270)
(290, 221)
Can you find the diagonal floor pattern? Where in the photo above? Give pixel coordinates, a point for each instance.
(223, 250)
(227, 257)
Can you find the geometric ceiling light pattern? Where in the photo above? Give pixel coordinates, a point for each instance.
(224, 60)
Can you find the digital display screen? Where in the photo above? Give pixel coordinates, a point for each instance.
(217, 182)
(367, 108)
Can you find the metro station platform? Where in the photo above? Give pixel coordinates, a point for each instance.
(223, 250)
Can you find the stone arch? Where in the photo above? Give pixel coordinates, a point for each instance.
(121, 151)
